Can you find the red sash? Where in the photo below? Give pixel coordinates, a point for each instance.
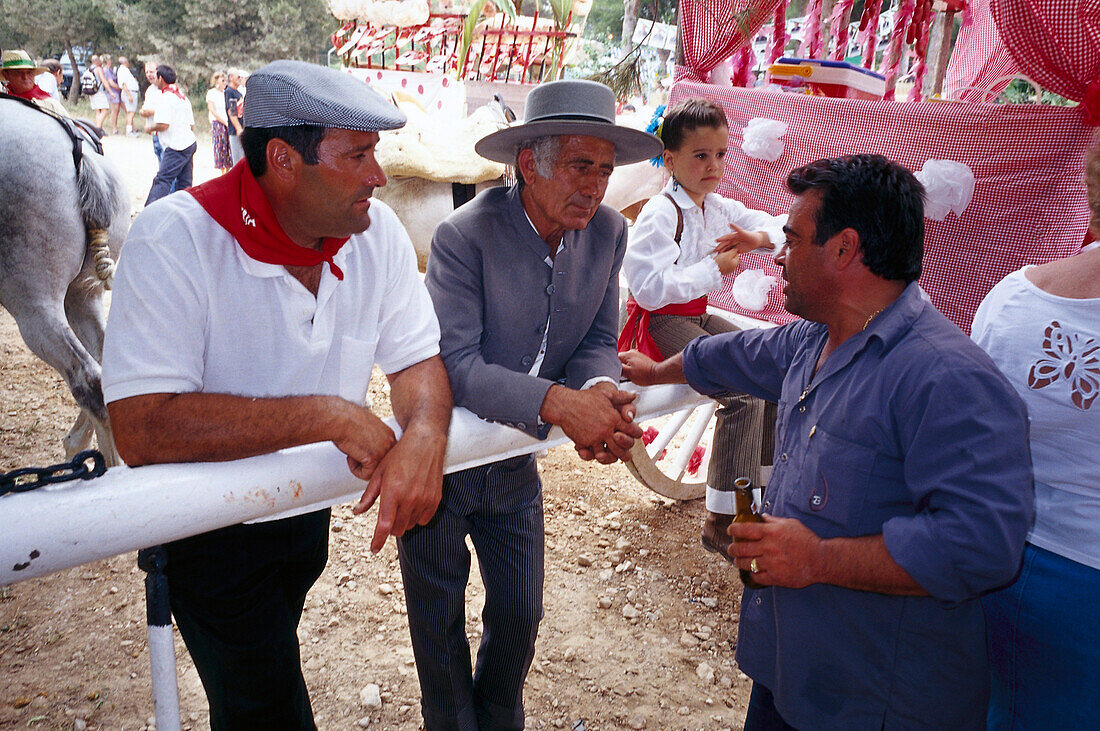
(238, 204)
(636, 329)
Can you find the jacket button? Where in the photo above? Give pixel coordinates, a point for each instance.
(521, 425)
(550, 289)
(527, 360)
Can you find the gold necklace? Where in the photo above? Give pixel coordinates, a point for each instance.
(871, 317)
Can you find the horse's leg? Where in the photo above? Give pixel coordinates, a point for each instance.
(46, 332)
(87, 318)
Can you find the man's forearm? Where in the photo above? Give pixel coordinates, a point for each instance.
(421, 397)
(864, 564)
(209, 427)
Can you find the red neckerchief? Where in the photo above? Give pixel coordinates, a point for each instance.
(238, 204)
(34, 93)
(636, 329)
(173, 89)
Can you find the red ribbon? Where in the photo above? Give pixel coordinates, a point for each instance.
(238, 204)
(636, 328)
(1090, 104)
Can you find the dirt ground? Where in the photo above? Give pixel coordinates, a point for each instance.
(639, 630)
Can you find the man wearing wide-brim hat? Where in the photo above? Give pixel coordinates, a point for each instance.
(525, 285)
(18, 71)
(246, 317)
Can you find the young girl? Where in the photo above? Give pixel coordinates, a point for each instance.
(684, 241)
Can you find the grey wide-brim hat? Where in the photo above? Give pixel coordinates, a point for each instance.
(295, 93)
(573, 107)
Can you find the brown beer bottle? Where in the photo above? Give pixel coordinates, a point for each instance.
(742, 493)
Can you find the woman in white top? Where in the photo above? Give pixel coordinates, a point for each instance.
(1041, 325)
(219, 122)
(684, 241)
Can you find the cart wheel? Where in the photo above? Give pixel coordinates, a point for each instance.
(662, 465)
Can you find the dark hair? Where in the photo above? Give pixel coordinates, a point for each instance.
(878, 198)
(51, 64)
(167, 73)
(689, 115)
(304, 139)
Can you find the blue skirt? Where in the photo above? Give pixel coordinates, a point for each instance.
(1044, 646)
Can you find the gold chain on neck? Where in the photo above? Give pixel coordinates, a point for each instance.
(872, 316)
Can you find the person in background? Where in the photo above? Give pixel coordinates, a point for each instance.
(902, 483)
(219, 131)
(149, 107)
(174, 121)
(233, 97)
(130, 91)
(114, 93)
(100, 102)
(1041, 326)
(49, 80)
(19, 72)
(682, 245)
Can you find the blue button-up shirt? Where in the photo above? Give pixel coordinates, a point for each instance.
(907, 430)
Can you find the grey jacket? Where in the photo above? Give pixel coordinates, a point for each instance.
(493, 292)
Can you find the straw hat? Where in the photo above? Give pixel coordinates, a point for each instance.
(571, 107)
(19, 60)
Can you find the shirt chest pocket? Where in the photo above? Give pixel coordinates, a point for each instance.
(356, 362)
(832, 487)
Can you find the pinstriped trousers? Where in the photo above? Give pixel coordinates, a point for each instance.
(740, 444)
(500, 507)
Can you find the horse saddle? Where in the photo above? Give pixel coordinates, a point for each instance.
(81, 132)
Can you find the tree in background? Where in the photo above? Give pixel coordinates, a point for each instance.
(196, 37)
(47, 27)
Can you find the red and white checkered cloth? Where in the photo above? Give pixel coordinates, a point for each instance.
(980, 62)
(1055, 42)
(713, 30)
(1029, 199)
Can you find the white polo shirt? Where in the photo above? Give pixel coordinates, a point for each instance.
(179, 117)
(191, 312)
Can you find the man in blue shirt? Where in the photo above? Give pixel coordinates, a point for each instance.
(902, 482)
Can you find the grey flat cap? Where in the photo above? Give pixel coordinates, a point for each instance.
(571, 107)
(294, 93)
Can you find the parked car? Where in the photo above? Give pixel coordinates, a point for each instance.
(67, 69)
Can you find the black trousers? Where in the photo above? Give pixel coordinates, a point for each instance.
(237, 595)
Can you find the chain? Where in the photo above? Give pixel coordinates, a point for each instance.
(87, 465)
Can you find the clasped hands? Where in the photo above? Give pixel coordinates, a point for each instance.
(599, 420)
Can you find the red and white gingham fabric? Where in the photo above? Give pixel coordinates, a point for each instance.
(1055, 42)
(1029, 200)
(980, 62)
(713, 30)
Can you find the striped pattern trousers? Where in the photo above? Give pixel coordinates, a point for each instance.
(499, 506)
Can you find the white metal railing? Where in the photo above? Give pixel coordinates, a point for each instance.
(62, 526)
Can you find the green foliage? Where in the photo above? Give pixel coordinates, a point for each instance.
(196, 37)
(605, 21)
(43, 27)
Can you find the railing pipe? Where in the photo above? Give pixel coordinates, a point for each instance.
(58, 527)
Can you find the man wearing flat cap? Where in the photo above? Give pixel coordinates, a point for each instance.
(247, 315)
(525, 284)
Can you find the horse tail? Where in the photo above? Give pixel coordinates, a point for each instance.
(99, 195)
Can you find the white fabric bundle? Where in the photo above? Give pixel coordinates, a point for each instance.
(750, 289)
(760, 138)
(948, 186)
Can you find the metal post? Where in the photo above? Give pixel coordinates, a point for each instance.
(162, 648)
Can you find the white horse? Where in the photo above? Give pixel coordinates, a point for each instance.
(48, 279)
